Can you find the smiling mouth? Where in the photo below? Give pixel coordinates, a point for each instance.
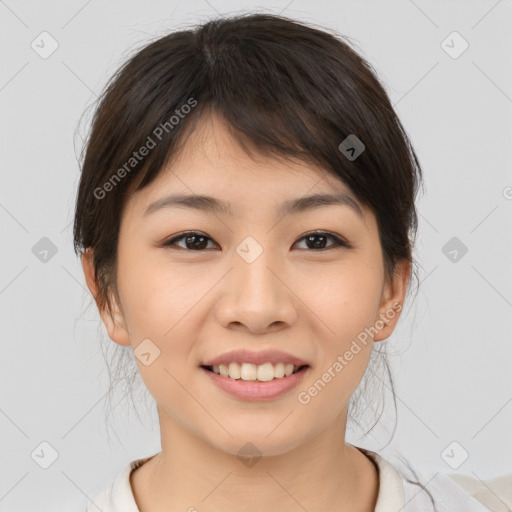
(256, 373)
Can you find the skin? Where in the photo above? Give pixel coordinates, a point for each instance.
(196, 304)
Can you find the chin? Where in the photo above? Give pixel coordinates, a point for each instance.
(257, 443)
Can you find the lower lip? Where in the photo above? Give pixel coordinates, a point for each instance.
(255, 390)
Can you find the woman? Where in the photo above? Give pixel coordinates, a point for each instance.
(245, 218)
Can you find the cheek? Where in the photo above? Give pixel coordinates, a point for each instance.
(345, 304)
(159, 306)
(156, 296)
(344, 300)
(162, 303)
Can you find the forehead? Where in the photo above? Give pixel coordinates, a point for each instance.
(213, 163)
(211, 152)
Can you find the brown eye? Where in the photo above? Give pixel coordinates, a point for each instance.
(196, 241)
(193, 241)
(317, 240)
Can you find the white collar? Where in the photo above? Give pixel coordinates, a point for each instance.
(395, 493)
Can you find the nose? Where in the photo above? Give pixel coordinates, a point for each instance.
(256, 296)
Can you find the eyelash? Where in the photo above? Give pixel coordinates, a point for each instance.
(338, 242)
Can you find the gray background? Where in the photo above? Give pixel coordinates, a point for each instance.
(453, 350)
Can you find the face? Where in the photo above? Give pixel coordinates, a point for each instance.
(253, 278)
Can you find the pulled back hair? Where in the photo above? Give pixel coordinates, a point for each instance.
(286, 90)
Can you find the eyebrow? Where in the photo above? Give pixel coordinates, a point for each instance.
(213, 205)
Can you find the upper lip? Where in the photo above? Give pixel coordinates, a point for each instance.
(257, 358)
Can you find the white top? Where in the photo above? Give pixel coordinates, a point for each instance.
(396, 494)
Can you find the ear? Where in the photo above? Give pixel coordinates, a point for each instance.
(393, 297)
(115, 323)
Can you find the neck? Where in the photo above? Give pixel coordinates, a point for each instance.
(323, 474)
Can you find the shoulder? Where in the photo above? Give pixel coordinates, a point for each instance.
(117, 495)
(415, 491)
(495, 493)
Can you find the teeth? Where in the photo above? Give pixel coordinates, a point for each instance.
(265, 372)
(247, 371)
(279, 370)
(234, 371)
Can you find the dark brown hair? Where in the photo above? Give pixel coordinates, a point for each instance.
(285, 89)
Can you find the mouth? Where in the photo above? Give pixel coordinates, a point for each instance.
(250, 382)
(256, 373)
